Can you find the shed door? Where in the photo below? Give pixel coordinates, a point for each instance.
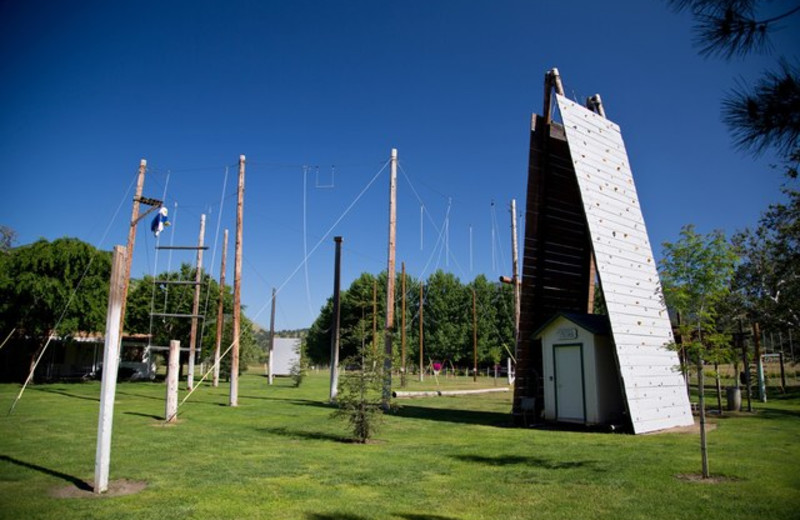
(568, 360)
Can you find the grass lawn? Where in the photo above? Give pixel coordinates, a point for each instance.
(279, 456)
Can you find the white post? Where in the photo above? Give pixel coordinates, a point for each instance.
(270, 364)
(171, 412)
(110, 365)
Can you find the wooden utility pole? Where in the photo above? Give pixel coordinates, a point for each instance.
(337, 266)
(173, 367)
(403, 325)
(220, 308)
(762, 387)
(474, 335)
(421, 331)
(270, 364)
(108, 386)
(237, 287)
(375, 317)
(390, 281)
(515, 276)
(196, 304)
(132, 239)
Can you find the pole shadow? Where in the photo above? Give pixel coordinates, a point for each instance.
(80, 484)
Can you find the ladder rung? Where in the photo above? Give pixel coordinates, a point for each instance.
(179, 282)
(183, 247)
(171, 315)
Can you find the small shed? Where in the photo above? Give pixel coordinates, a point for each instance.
(582, 383)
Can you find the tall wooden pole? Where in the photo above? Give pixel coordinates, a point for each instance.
(474, 336)
(270, 364)
(220, 308)
(403, 325)
(173, 367)
(132, 239)
(762, 387)
(196, 304)
(337, 265)
(390, 280)
(375, 317)
(421, 331)
(515, 276)
(237, 287)
(108, 386)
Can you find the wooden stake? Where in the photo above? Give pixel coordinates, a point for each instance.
(270, 364)
(390, 281)
(237, 287)
(403, 325)
(220, 308)
(108, 386)
(336, 316)
(171, 408)
(132, 240)
(196, 304)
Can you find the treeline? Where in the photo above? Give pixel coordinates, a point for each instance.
(447, 320)
(61, 288)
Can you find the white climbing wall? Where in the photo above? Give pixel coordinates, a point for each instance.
(654, 387)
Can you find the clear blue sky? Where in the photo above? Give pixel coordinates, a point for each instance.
(90, 88)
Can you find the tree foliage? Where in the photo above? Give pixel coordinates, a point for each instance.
(767, 116)
(696, 272)
(767, 280)
(447, 320)
(63, 284)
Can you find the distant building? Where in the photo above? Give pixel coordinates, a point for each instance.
(285, 355)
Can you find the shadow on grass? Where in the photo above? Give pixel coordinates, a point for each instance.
(301, 402)
(299, 434)
(80, 484)
(149, 416)
(64, 393)
(501, 420)
(511, 460)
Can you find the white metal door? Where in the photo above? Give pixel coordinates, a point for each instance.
(569, 382)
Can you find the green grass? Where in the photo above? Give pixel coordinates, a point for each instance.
(279, 456)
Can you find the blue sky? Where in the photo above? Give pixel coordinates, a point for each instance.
(317, 93)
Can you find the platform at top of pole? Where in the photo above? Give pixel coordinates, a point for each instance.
(149, 201)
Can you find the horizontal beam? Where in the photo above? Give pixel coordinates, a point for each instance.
(179, 282)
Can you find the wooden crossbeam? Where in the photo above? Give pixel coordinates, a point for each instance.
(179, 282)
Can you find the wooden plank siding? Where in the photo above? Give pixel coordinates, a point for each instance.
(556, 253)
